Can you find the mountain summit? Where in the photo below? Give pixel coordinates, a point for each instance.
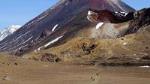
(59, 22)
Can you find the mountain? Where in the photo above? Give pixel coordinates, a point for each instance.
(8, 31)
(131, 49)
(62, 21)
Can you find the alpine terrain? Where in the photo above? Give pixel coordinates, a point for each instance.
(62, 21)
(8, 31)
(79, 42)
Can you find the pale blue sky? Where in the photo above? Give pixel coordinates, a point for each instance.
(138, 4)
(21, 11)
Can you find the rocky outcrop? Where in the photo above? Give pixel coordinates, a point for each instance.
(47, 57)
(141, 20)
(108, 16)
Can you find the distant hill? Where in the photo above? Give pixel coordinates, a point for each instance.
(8, 31)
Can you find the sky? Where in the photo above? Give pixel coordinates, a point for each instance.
(18, 12)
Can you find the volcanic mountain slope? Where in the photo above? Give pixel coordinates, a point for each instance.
(133, 49)
(60, 21)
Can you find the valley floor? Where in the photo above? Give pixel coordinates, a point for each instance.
(21, 71)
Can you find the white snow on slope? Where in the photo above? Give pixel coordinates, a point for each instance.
(53, 41)
(54, 27)
(99, 25)
(48, 44)
(8, 31)
(91, 13)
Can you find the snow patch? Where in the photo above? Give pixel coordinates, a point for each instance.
(99, 25)
(8, 31)
(42, 17)
(53, 41)
(54, 27)
(39, 48)
(13, 28)
(90, 12)
(146, 66)
(124, 13)
(121, 13)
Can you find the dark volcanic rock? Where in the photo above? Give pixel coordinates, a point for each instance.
(55, 24)
(141, 19)
(88, 48)
(49, 58)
